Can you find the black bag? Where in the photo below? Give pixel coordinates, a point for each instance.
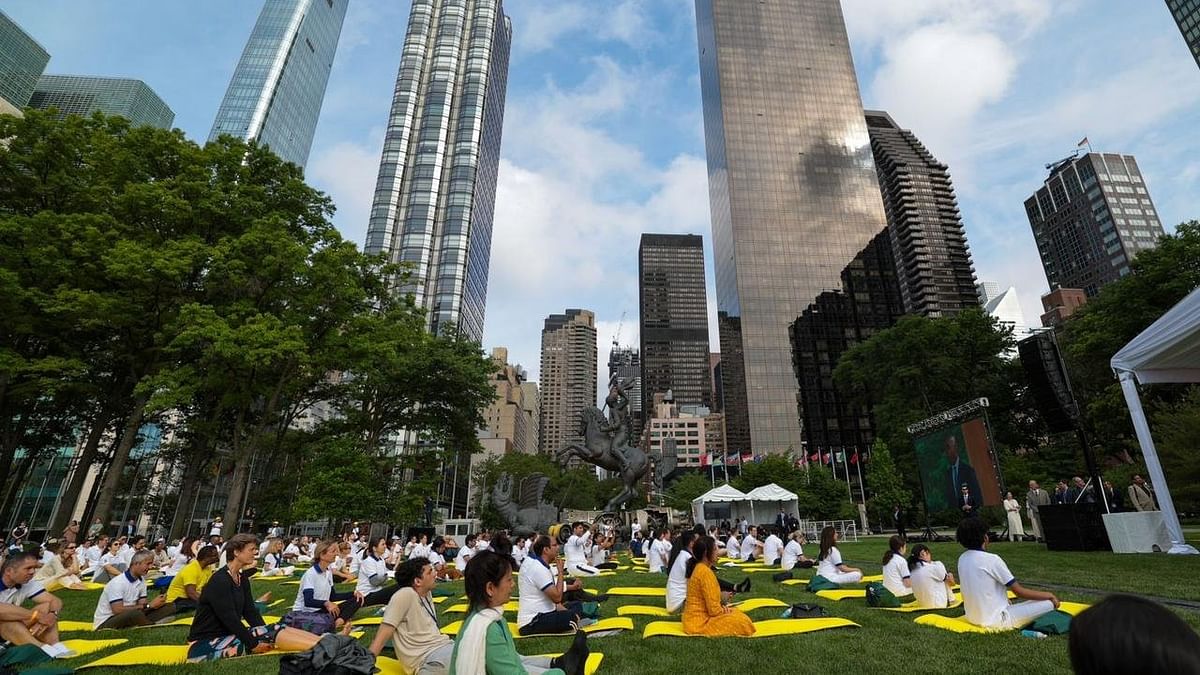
(806, 611)
(297, 664)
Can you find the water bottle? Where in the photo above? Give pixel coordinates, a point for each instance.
(1033, 634)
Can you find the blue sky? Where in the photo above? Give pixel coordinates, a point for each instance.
(603, 138)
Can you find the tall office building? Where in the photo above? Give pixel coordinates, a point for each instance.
(625, 363)
(22, 61)
(276, 92)
(1090, 218)
(673, 305)
(436, 191)
(77, 95)
(933, 263)
(1187, 15)
(508, 417)
(568, 376)
(792, 188)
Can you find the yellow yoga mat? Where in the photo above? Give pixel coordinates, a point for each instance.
(74, 626)
(154, 655)
(959, 624)
(593, 662)
(642, 610)
(795, 582)
(84, 647)
(762, 629)
(462, 607)
(87, 586)
(759, 603)
(914, 607)
(613, 623)
(645, 591)
(843, 594)
(873, 577)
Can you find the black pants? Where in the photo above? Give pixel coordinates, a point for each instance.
(348, 607)
(137, 617)
(725, 585)
(551, 623)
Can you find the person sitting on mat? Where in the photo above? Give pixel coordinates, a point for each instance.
(703, 611)
(92, 555)
(659, 551)
(732, 547)
(542, 606)
(272, 562)
(162, 559)
(985, 580)
(931, 584)
(343, 566)
(182, 557)
(896, 576)
(226, 602)
(318, 608)
(184, 591)
(410, 622)
(772, 549)
(601, 549)
(465, 552)
(792, 556)
(751, 549)
(123, 604)
(1128, 634)
(62, 570)
(437, 558)
(576, 550)
(829, 560)
(37, 626)
(111, 564)
(484, 645)
(373, 588)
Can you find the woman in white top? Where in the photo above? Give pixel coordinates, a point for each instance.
(373, 575)
(408, 548)
(342, 567)
(273, 560)
(62, 570)
(896, 577)
(110, 565)
(1013, 508)
(316, 595)
(732, 547)
(931, 583)
(677, 576)
(793, 555)
(829, 561)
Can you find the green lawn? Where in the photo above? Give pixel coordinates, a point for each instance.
(887, 642)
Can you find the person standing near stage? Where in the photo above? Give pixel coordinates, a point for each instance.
(1012, 508)
(1035, 498)
(898, 521)
(1141, 495)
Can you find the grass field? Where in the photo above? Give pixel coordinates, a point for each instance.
(887, 642)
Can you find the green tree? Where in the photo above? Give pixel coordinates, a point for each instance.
(821, 496)
(686, 488)
(885, 484)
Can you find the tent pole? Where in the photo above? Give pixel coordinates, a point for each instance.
(1153, 467)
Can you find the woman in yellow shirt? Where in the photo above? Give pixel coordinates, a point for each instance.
(703, 613)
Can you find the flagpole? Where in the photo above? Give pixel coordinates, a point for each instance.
(858, 467)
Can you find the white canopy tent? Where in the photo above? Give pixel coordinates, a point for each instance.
(775, 496)
(1167, 351)
(722, 494)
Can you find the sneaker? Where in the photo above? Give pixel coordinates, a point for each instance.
(583, 623)
(743, 587)
(574, 661)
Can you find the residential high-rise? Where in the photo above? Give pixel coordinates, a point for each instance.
(626, 363)
(508, 417)
(933, 263)
(22, 61)
(568, 376)
(1090, 218)
(278, 87)
(793, 193)
(78, 95)
(435, 194)
(1187, 15)
(674, 319)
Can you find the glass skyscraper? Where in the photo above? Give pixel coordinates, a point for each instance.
(276, 92)
(22, 61)
(435, 194)
(76, 95)
(1187, 15)
(793, 193)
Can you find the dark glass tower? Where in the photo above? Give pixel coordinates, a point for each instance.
(1090, 218)
(132, 99)
(673, 307)
(436, 192)
(933, 263)
(626, 363)
(276, 92)
(1187, 15)
(22, 61)
(792, 188)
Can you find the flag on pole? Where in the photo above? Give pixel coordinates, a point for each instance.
(1083, 143)
(854, 458)
(814, 457)
(706, 459)
(732, 459)
(747, 456)
(825, 457)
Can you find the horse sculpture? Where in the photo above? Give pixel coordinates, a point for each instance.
(605, 444)
(529, 514)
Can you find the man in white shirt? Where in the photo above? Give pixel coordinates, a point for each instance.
(123, 604)
(772, 549)
(985, 581)
(576, 551)
(465, 553)
(542, 608)
(660, 552)
(750, 545)
(635, 528)
(483, 542)
(17, 624)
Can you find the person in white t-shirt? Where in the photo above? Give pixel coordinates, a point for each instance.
(483, 542)
(421, 549)
(931, 584)
(373, 587)
(660, 551)
(18, 625)
(732, 547)
(896, 577)
(829, 560)
(985, 582)
(520, 550)
(465, 553)
(542, 608)
(91, 555)
(601, 550)
(317, 595)
(110, 564)
(792, 556)
(772, 548)
(750, 546)
(272, 565)
(576, 550)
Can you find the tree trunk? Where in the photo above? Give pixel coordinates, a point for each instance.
(83, 465)
(241, 471)
(15, 483)
(112, 478)
(193, 469)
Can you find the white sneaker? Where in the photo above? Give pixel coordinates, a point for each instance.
(59, 651)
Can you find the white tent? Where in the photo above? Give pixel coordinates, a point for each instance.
(1167, 351)
(773, 497)
(722, 494)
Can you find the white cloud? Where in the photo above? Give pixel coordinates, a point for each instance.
(346, 172)
(539, 25)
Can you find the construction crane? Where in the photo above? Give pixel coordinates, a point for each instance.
(616, 341)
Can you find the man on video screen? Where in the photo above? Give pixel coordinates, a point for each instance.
(958, 474)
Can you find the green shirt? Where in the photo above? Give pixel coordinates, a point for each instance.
(501, 657)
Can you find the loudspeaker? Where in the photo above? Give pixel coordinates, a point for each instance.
(1047, 381)
(1074, 527)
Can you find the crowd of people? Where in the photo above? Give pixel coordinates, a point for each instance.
(211, 579)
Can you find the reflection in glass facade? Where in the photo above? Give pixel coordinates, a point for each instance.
(132, 99)
(1187, 15)
(793, 192)
(277, 90)
(22, 61)
(436, 191)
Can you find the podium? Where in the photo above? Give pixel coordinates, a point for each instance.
(1074, 527)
